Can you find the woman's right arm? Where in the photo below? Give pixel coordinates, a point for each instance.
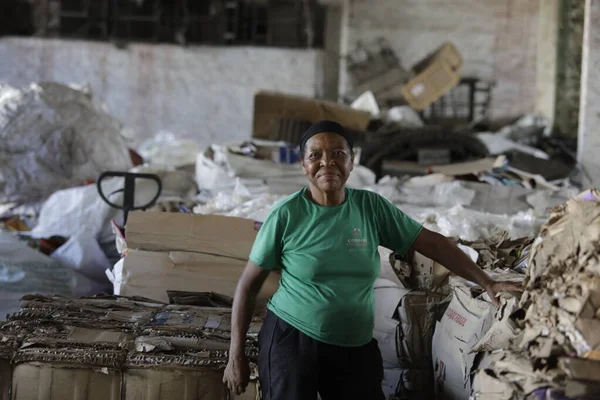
(237, 373)
(244, 303)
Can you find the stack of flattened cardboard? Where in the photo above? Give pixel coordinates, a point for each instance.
(186, 252)
(117, 348)
(557, 347)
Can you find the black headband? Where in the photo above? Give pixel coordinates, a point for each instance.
(324, 127)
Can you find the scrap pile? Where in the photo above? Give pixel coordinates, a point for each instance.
(557, 348)
(117, 348)
(413, 292)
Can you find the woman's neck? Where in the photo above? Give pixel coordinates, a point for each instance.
(322, 198)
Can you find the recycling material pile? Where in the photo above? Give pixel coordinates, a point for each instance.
(412, 293)
(555, 349)
(119, 348)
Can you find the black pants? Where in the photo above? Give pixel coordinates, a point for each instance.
(293, 366)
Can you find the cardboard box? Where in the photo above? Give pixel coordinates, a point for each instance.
(464, 323)
(272, 106)
(51, 382)
(151, 274)
(211, 234)
(436, 74)
(178, 383)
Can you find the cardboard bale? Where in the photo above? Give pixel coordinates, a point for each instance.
(436, 74)
(166, 351)
(168, 383)
(181, 365)
(152, 274)
(58, 382)
(70, 363)
(272, 106)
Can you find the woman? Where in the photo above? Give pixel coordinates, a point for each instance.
(317, 334)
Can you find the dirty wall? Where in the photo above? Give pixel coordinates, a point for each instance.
(497, 38)
(202, 92)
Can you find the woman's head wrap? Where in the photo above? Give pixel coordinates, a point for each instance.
(324, 127)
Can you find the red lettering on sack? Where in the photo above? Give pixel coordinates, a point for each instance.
(456, 317)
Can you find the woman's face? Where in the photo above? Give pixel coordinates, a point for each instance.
(327, 161)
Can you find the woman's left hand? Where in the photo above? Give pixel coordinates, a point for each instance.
(496, 287)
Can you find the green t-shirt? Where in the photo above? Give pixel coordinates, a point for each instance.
(329, 261)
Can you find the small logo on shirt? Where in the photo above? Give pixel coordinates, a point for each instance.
(357, 240)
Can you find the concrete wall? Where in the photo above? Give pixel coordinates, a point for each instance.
(202, 92)
(498, 39)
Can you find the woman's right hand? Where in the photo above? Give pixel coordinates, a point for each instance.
(237, 374)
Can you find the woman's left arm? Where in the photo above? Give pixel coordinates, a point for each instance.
(442, 250)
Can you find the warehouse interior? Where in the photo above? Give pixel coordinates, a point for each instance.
(143, 144)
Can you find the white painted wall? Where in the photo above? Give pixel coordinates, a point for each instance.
(202, 92)
(497, 38)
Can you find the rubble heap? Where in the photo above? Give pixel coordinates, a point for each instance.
(120, 347)
(557, 349)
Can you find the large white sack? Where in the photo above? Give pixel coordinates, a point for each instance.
(54, 137)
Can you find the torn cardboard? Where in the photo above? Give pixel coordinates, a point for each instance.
(152, 274)
(272, 106)
(556, 350)
(503, 328)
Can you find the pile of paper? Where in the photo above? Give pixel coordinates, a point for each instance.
(557, 347)
(117, 348)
